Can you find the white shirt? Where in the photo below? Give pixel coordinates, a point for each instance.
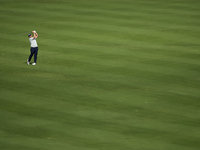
(33, 42)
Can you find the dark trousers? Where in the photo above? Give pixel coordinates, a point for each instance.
(34, 51)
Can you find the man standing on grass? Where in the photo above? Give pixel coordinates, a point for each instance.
(34, 47)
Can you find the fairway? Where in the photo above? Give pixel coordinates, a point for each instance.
(110, 75)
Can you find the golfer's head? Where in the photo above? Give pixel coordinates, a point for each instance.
(29, 35)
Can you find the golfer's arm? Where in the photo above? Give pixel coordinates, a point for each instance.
(35, 36)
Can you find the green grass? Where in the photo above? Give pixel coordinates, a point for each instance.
(110, 75)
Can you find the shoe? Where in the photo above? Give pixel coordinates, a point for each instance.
(28, 63)
(33, 63)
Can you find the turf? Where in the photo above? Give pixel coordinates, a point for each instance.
(110, 75)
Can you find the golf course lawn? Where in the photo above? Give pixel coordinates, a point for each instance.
(110, 75)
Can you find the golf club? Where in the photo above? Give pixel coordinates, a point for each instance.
(24, 33)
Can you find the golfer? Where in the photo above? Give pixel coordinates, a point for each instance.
(34, 47)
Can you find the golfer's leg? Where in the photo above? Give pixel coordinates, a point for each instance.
(31, 55)
(35, 55)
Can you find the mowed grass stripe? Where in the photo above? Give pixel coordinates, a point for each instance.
(91, 12)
